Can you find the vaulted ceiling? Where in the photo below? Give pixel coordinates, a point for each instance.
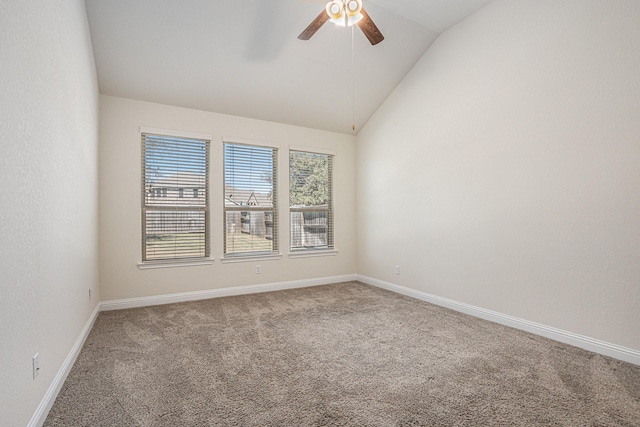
(243, 57)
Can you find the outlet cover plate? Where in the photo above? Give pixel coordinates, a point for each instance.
(36, 365)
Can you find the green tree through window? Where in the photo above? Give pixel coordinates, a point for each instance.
(309, 179)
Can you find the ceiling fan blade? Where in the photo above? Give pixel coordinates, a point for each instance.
(314, 26)
(369, 28)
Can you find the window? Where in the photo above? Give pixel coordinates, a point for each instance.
(174, 227)
(311, 200)
(250, 199)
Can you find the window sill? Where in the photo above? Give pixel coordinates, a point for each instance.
(250, 258)
(148, 265)
(313, 253)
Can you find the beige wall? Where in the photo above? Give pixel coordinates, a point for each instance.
(503, 172)
(120, 244)
(48, 194)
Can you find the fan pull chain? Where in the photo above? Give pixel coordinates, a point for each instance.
(353, 80)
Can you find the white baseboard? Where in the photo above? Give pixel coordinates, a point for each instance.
(581, 341)
(223, 292)
(40, 415)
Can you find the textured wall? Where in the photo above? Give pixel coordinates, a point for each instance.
(120, 121)
(48, 194)
(503, 171)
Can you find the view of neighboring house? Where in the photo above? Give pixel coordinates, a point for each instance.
(174, 204)
(257, 223)
(172, 196)
(183, 188)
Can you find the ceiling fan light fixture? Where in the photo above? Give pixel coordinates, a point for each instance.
(353, 20)
(354, 7)
(345, 13)
(335, 10)
(349, 21)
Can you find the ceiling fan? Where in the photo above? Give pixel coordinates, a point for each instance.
(345, 13)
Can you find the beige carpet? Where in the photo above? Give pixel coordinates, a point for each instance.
(338, 355)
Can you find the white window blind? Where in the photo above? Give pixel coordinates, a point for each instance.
(311, 200)
(250, 199)
(175, 197)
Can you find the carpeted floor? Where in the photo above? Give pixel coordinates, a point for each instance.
(337, 355)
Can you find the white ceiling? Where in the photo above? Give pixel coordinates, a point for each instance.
(243, 57)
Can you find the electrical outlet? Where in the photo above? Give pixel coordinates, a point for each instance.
(36, 365)
(397, 269)
(258, 269)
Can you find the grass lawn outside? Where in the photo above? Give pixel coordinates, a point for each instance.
(241, 242)
(178, 245)
(192, 245)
